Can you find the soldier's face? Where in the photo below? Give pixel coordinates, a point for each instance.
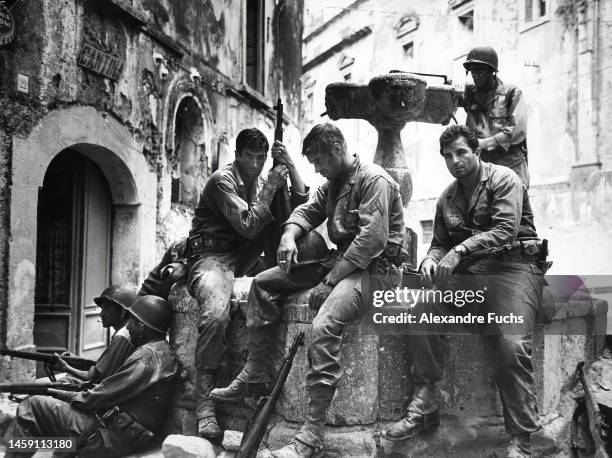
(136, 329)
(251, 161)
(110, 314)
(482, 75)
(460, 160)
(327, 164)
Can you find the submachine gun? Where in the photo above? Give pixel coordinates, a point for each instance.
(48, 360)
(265, 409)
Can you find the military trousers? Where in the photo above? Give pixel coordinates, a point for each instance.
(211, 282)
(344, 305)
(512, 289)
(44, 416)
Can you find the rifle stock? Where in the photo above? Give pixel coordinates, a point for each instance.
(257, 427)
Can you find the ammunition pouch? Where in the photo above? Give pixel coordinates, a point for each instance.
(116, 431)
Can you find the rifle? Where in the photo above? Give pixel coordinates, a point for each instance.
(597, 424)
(48, 360)
(41, 388)
(257, 427)
(281, 204)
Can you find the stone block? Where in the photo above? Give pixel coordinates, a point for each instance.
(178, 446)
(354, 442)
(231, 440)
(356, 399)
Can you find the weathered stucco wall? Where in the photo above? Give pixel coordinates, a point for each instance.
(175, 54)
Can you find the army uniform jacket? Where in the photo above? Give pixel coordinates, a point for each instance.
(363, 209)
(228, 211)
(112, 357)
(500, 113)
(498, 214)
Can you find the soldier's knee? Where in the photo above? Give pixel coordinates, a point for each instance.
(513, 352)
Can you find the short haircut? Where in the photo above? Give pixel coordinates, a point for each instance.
(321, 138)
(251, 138)
(455, 131)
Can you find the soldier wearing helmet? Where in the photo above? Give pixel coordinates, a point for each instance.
(115, 302)
(364, 213)
(123, 412)
(497, 112)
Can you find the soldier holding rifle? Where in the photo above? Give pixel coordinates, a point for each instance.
(364, 213)
(225, 238)
(125, 410)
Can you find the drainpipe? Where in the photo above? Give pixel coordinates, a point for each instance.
(595, 88)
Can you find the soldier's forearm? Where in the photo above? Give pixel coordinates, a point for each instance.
(266, 195)
(292, 231)
(343, 268)
(297, 183)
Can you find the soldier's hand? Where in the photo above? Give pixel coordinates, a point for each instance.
(61, 363)
(66, 396)
(280, 153)
(427, 271)
(318, 295)
(446, 267)
(287, 253)
(277, 177)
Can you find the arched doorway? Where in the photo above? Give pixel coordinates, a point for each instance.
(73, 255)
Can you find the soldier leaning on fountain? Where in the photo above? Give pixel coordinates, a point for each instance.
(364, 213)
(497, 112)
(484, 239)
(225, 237)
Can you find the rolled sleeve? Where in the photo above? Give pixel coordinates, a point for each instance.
(513, 131)
(373, 233)
(312, 213)
(247, 220)
(440, 242)
(298, 198)
(506, 211)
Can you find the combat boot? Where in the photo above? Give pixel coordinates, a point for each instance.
(519, 446)
(238, 390)
(422, 414)
(298, 449)
(208, 428)
(308, 441)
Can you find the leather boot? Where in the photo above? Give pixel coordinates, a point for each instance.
(238, 390)
(519, 446)
(208, 428)
(422, 414)
(309, 441)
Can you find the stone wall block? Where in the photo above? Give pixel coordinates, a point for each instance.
(356, 399)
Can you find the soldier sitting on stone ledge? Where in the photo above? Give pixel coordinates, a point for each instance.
(225, 239)
(484, 239)
(363, 208)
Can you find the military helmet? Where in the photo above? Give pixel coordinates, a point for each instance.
(311, 248)
(481, 55)
(153, 311)
(117, 294)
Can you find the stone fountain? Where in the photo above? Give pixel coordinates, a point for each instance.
(388, 102)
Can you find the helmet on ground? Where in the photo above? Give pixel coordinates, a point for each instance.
(311, 248)
(117, 294)
(481, 55)
(153, 311)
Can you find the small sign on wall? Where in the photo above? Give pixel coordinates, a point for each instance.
(100, 62)
(23, 83)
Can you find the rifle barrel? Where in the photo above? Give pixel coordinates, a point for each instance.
(78, 363)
